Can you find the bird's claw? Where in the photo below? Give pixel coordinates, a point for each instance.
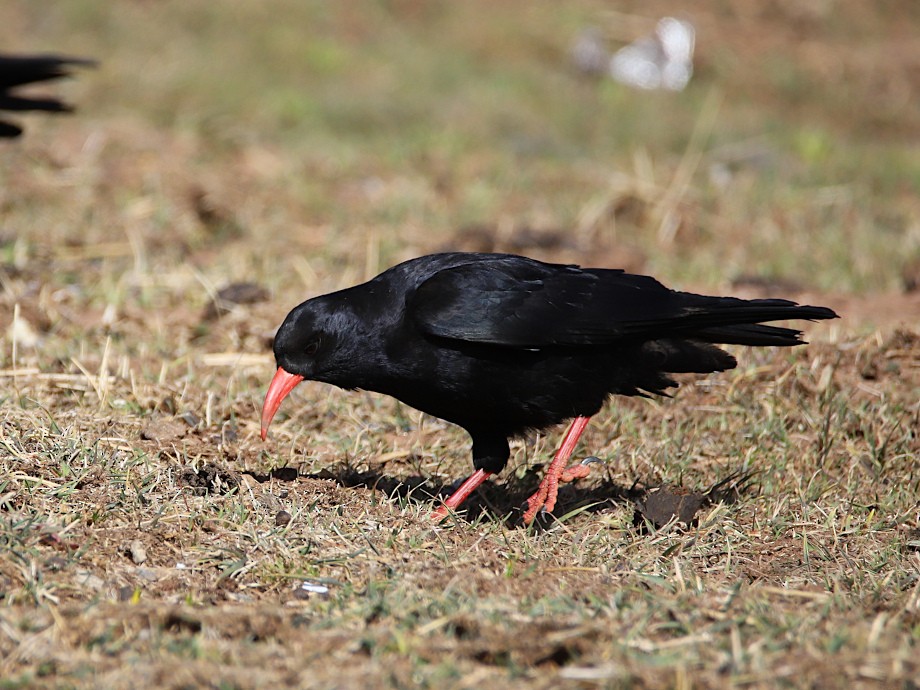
(543, 500)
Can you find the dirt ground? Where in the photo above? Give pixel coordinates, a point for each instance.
(149, 538)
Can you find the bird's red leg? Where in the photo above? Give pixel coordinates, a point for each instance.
(545, 497)
(473, 482)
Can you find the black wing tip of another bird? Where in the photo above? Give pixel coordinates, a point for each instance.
(49, 59)
(17, 71)
(9, 131)
(21, 70)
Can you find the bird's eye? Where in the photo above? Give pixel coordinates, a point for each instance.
(312, 347)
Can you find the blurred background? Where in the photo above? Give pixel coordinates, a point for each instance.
(292, 142)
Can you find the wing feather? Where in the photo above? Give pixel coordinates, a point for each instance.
(523, 303)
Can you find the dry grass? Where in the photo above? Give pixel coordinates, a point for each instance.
(148, 538)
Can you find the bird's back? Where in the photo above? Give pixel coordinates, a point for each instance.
(526, 344)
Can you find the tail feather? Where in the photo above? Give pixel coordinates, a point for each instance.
(730, 320)
(686, 357)
(751, 334)
(717, 312)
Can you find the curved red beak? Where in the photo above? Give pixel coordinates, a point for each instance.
(282, 384)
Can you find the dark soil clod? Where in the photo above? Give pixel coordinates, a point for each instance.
(662, 504)
(210, 479)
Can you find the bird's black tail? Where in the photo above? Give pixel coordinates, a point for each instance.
(688, 342)
(733, 321)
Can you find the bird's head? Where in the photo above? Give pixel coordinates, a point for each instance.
(302, 347)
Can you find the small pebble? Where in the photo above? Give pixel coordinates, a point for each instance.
(56, 563)
(138, 552)
(88, 581)
(147, 574)
(190, 418)
(210, 526)
(164, 430)
(282, 518)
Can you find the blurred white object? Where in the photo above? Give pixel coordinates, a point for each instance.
(313, 588)
(589, 54)
(663, 60)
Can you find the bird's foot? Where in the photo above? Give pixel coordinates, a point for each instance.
(545, 497)
(579, 471)
(546, 494)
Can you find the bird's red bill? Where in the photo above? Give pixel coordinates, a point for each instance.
(282, 384)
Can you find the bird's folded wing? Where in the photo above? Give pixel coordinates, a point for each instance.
(528, 304)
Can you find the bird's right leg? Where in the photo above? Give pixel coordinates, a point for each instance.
(557, 472)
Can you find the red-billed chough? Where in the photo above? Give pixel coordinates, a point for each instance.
(500, 344)
(19, 70)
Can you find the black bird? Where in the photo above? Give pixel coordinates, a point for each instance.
(501, 344)
(19, 70)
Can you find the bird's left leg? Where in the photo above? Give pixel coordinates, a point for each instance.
(490, 455)
(545, 496)
(473, 482)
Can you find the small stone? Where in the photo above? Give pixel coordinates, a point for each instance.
(282, 518)
(89, 581)
(56, 563)
(211, 526)
(190, 418)
(164, 430)
(147, 574)
(138, 552)
(125, 593)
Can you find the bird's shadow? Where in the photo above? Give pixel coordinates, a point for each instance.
(655, 504)
(506, 501)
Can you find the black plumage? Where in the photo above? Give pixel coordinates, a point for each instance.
(500, 344)
(21, 70)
